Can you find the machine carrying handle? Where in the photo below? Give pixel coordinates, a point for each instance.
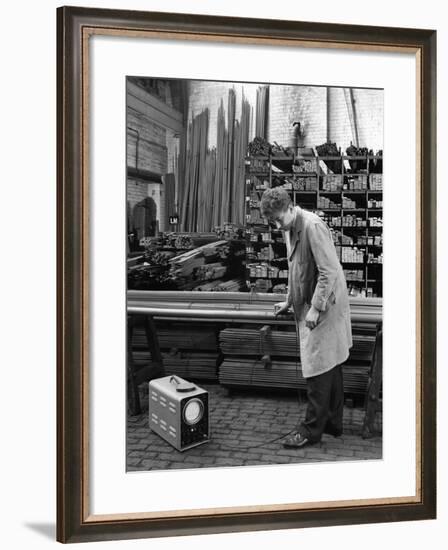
(183, 386)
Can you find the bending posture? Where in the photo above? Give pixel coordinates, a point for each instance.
(317, 293)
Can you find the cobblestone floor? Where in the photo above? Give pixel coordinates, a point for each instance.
(243, 426)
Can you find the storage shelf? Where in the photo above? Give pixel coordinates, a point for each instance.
(308, 199)
(261, 243)
(355, 227)
(268, 278)
(313, 157)
(295, 174)
(359, 245)
(325, 192)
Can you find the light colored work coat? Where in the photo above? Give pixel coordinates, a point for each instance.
(316, 277)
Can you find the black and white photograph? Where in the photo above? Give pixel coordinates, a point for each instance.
(223, 242)
(254, 243)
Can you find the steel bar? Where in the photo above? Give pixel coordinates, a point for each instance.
(230, 313)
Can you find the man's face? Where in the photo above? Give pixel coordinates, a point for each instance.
(283, 219)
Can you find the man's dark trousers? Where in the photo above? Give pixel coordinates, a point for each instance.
(325, 407)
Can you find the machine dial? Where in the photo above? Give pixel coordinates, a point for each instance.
(193, 411)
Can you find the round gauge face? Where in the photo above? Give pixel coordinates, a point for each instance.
(193, 411)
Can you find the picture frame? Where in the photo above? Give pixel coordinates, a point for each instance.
(76, 26)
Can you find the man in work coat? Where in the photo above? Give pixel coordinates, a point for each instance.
(317, 293)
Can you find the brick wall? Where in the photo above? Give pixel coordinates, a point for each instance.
(156, 150)
(152, 148)
(340, 130)
(369, 116)
(370, 112)
(307, 104)
(136, 191)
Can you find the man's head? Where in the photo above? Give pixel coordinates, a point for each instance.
(277, 207)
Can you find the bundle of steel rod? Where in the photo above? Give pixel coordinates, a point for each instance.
(192, 365)
(210, 272)
(356, 378)
(184, 264)
(135, 260)
(212, 191)
(149, 277)
(186, 364)
(243, 341)
(187, 350)
(250, 372)
(280, 152)
(330, 149)
(241, 140)
(208, 263)
(283, 375)
(178, 336)
(181, 169)
(205, 221)
(226, 196)
(262, 114)
(230, 231)
(232, 285)
(259, 146)
(194, 169)
(188, 240)
(360, 163)
(233, 306)
(364, 336)
(158, 257)
(151, 242)
(221, 162)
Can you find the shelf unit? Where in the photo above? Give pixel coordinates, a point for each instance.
(349, 201)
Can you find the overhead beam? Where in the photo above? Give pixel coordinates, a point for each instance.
(153, 108)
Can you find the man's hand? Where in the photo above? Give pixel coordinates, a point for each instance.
(281, 308)
(312, 318)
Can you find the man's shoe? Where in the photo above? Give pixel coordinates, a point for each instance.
(296, 441)
(334, 433)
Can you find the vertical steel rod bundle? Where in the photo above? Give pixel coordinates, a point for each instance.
(212, 189)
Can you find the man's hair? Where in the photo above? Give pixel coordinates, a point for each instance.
(273, 201)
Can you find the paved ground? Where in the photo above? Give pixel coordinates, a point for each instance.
(243, 427)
